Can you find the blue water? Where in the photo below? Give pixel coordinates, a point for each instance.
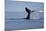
(14, 21)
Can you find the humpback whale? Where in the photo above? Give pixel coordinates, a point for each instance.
(29, 12)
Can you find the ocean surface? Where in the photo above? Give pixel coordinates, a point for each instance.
(14, 21)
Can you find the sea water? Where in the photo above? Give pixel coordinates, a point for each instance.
(14, 21)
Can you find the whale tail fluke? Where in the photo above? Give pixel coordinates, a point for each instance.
(28, 11)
